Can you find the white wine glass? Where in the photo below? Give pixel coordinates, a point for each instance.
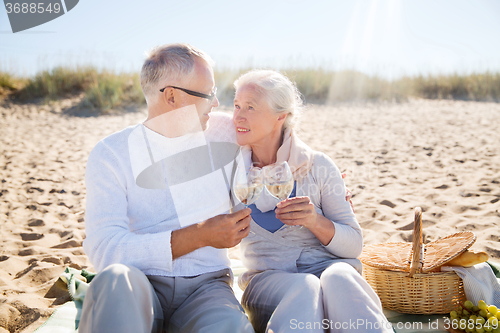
(278, 179)
(247, 186)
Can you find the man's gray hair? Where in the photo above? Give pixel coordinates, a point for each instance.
(168, 64)
(280, 93)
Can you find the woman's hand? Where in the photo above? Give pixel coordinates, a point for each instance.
(300, 211)
(297, 211)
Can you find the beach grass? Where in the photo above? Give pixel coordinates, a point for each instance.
(477, 86)
(103, 89)
(6, 81)
(319, 86)
(9, 83)
(109, 90)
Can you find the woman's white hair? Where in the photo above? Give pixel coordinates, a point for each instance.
(280, 93)
(168, 63)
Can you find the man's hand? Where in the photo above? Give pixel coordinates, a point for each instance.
(348, 194)
(221, 231)
(225, 231)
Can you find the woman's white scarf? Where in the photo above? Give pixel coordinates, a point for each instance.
(299, 157)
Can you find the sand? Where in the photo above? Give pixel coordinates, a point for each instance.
(443, 156)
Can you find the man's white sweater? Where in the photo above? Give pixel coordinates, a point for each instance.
(130, 224)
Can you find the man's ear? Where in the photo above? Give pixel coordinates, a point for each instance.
(283, 116)
(168, 96)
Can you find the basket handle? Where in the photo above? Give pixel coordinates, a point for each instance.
(415, 266)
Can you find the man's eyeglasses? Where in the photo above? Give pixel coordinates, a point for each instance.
(194, 93)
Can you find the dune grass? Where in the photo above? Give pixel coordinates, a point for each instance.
(9, 83)
(323, 87)
(326, 87)
(6, 81)
(104, 90)
(58, 82)
(108, 90)
(477, 87)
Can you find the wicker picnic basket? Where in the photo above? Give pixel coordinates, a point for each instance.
(406, 276)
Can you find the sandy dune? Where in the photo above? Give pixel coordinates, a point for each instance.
(441, 155)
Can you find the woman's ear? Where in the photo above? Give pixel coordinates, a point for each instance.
(283, 116)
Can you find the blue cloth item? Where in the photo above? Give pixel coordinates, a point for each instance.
(268, 219)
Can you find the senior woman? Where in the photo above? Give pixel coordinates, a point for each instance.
(304, 275)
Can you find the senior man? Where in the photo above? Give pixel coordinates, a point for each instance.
(157, 219)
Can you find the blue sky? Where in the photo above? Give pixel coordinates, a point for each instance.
(386, 37)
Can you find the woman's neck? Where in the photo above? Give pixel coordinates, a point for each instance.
(265, 153)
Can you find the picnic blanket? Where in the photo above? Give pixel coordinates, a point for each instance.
(66, 318)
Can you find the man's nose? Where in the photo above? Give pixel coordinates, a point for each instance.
(215, 102)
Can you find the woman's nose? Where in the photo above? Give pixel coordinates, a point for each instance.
(238, 115)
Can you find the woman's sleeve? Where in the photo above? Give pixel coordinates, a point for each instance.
(108, 236)
(348, 239)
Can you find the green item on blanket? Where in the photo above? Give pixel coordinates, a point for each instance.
(495, 268)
